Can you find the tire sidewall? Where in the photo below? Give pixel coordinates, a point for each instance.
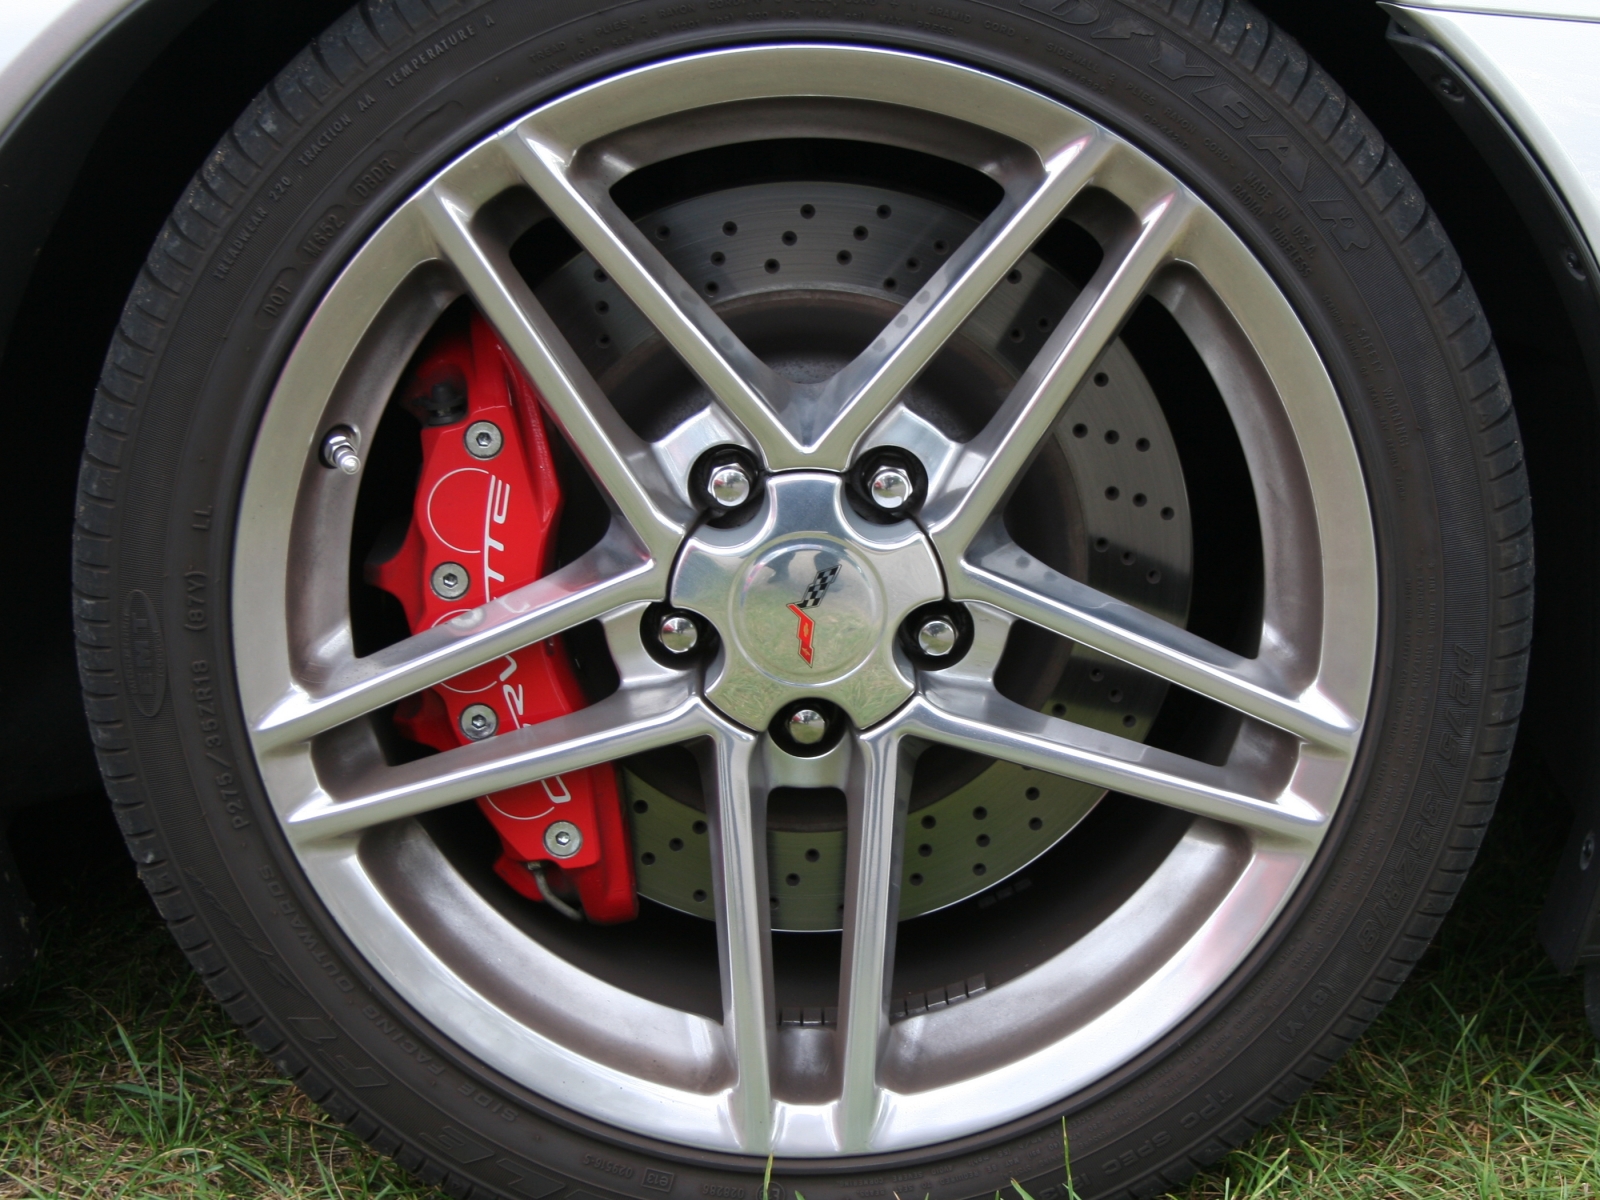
(255, 282)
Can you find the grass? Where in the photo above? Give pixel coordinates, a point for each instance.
(119, 1077)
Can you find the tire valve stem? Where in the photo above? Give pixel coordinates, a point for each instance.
(339, 450)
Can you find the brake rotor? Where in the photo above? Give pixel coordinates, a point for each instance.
(814, 270)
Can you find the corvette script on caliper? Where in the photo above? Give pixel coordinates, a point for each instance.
(482, 525)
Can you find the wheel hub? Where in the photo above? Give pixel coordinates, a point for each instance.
(807, 596)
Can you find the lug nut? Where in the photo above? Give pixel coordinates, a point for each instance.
(563, 839)
(678, 633)
(339, 451)
(484, 439)
(450, 581)
(479, 721)
(890, 488)
(807, 726)
(937, 637)
(729, 486)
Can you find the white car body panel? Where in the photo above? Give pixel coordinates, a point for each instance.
(1560, 10)
(38, 38)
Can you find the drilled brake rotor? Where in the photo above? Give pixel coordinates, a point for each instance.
(808, 273)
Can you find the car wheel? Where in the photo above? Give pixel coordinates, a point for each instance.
(668, 592)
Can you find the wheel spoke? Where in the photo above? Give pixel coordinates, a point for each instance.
(982, 721)
(619, 460)
(994, 460)
(737, 804)
(610, 575)
(1000, 572)
(876, 807)
(859, 394)
(750, 392)
(627, 722)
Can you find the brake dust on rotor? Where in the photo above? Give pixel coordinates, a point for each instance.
(483, 524)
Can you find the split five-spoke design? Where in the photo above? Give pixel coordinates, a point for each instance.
(311, 700)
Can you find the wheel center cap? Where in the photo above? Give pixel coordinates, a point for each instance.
(807, 597)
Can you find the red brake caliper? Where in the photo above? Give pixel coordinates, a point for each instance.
(483, 524)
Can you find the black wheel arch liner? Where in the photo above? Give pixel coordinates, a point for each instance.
(43, 149)
(48, 156)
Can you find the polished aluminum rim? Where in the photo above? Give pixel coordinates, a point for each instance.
(744, 1083)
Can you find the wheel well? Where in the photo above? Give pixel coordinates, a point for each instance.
(127, 143)
(1509, 229)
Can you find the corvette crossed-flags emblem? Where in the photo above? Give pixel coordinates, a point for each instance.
(813, 597)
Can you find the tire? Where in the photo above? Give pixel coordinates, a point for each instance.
(1229, 105)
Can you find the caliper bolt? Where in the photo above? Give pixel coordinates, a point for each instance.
(678, 633)
(890, 488)
(450, 581)
(563, 839)
(729, 486)
(339, 451)
(479, 721)
(807, 726)
(484, 439)
(937, 637)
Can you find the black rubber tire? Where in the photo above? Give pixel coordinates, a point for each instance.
(387, 94)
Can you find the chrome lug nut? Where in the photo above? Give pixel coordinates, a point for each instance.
(937, 637)
(678, 633)
(450, 581)
(563, 839)
(339, 451)
(484, 439)
(479, 721)
(807, 726)
(729, 486)
(890, 488)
